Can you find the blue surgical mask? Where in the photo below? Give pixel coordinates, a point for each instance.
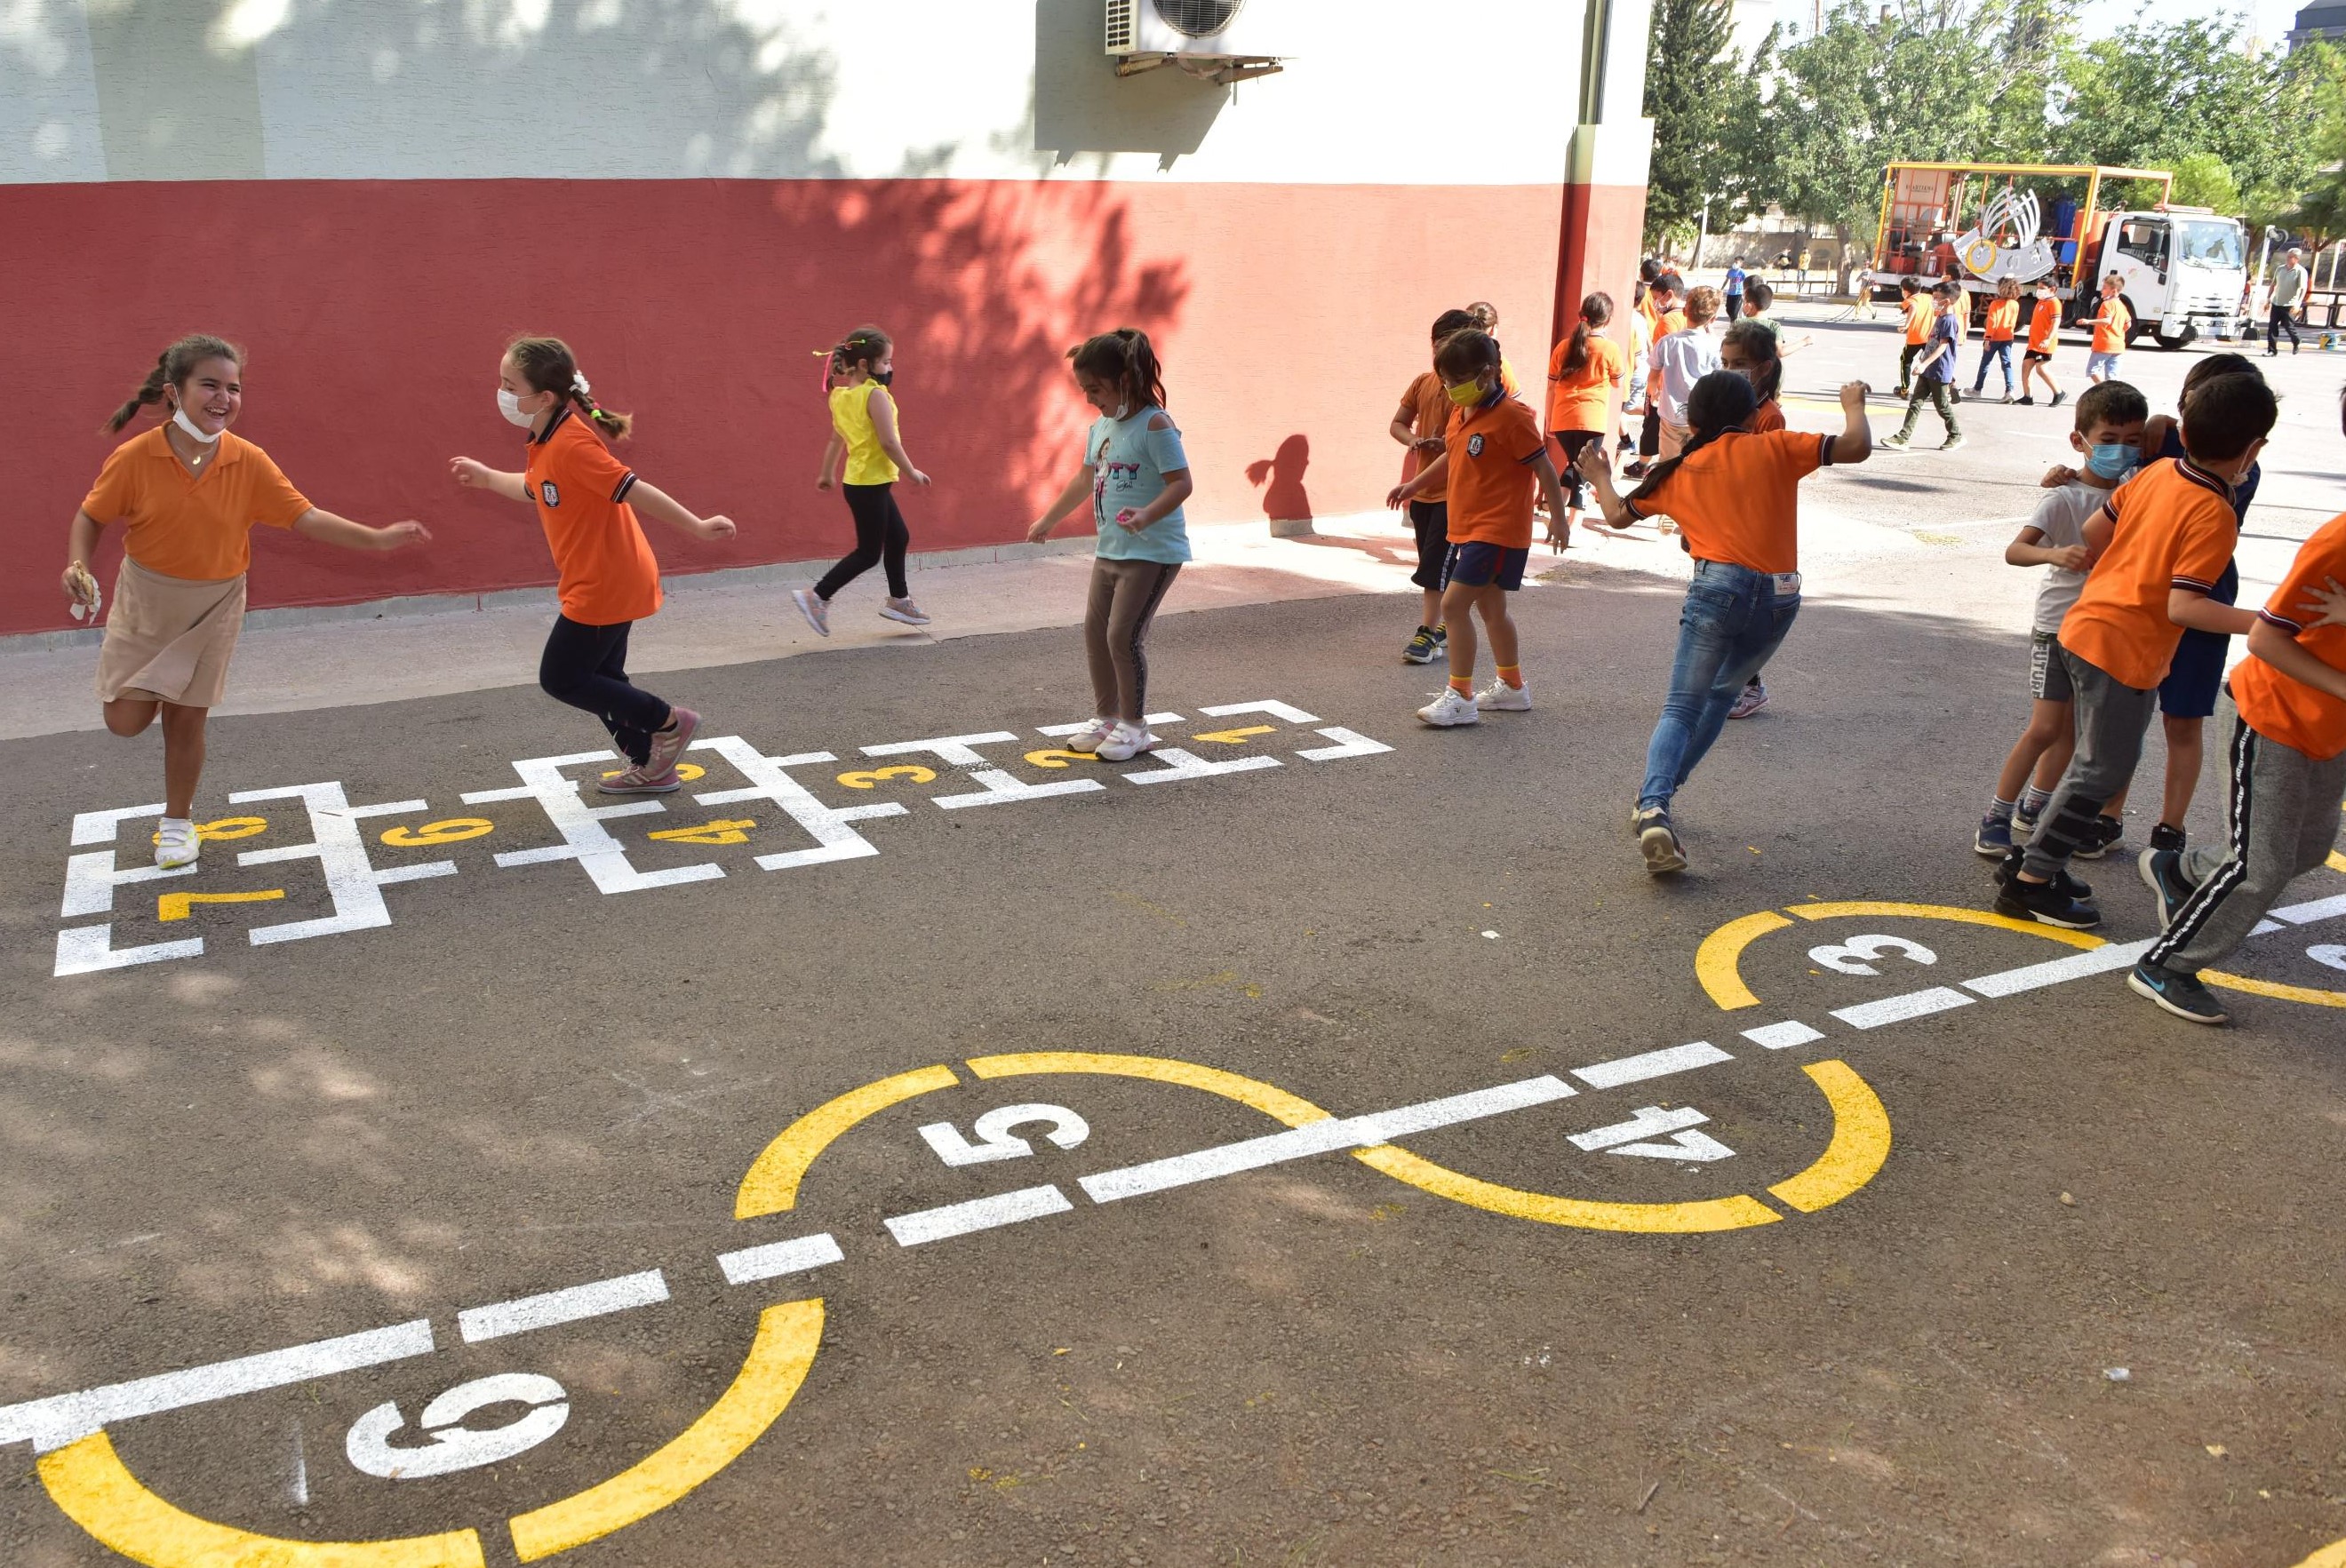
(2113, 460)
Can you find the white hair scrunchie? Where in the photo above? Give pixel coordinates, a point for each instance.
(578, 382)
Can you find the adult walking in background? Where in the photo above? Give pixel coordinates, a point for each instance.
(2289, 281)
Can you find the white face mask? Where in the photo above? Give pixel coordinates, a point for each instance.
(193, 431)
(509, 405)
(1123, 410)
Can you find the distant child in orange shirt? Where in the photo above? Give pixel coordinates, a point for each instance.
(1584, 375)
(2112, 323)
(1423, 415)
(1736, 498)
(2036, 361)
(1915, 304)
(587, 500)
(2161, 544)
(1493, 455)
(1995, 336)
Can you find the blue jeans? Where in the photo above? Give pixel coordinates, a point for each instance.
(2000, 351)
(1731, 624)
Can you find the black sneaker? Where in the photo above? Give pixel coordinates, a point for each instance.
(2107, 831)
(2058, 398)
(2027, 402)
(1658, 842)
(2165, 838)
(2049, 903)
(1424, 648)
(2076, 888)
(2179, 994)
(2162, 873)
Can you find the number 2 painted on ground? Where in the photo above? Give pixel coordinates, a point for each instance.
(994, 1140)
(1848, 958)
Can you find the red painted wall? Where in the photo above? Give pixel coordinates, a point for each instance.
(1290, 318)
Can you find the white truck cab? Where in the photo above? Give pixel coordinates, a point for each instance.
(2185, 272)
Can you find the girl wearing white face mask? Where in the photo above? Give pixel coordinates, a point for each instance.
(188, 493)
(587, 500)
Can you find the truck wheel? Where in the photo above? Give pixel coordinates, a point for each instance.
(2171, 341)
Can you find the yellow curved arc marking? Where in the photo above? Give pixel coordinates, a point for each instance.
(2337, 862)
(2333, 1555)
(1945, 911)
(1717, 960)
(88, 1482)
(772, 1182)
(1711, 1214)
(2275, 988)
(1860, 1141)
(1271, 1100)
(787, 1337)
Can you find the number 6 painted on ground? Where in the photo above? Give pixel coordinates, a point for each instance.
(994, 1139)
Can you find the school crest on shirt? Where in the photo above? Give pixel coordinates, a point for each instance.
(546, 489)
(1473, 446)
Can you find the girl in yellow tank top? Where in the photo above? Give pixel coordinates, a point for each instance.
(863, 430)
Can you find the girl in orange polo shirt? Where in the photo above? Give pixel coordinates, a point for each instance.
(1995, 337)
(587, 500)
(1584, 375)
(188, 493)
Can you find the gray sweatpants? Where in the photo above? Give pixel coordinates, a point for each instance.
(2281, 822)
(2111, 719)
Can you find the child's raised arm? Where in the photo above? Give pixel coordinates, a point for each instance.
(1069, 498)
(328, 529)
(654, 502)
(474, 475)
(2277, 647)
(1855, 441)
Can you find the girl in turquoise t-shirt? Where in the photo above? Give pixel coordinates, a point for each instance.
(1137, 475)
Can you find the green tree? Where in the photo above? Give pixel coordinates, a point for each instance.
(2201, 179)
(1703, 104)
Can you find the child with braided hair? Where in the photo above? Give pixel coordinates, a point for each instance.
(863, 428)
(587, 500)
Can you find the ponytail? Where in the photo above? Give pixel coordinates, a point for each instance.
(548, 366)
(1125, 358)
(1594, 311)
(865, 346)
(1719, 402)
(172, 368)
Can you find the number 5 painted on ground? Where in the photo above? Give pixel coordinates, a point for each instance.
(994, 1140)
(1849, 956)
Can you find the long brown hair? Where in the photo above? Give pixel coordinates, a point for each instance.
(1594, 311)
(1123, 359)
(172, 368)
(548, 366)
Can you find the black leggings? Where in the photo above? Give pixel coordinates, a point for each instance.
(587, 666)
(881, 537)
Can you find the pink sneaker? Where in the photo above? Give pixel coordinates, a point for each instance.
(669, 744)
(641, 778)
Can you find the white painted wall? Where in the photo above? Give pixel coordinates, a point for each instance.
(1380, 92)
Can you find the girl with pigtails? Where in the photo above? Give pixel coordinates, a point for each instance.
(1136, 476)
(186, 493)
(587, 500)
(863, 428)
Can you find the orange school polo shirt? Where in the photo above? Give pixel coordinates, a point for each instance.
(1427, 408)
(2003, 316)
(2270, 703)
(603, 563)
(2110, 327)
(2174, 527)
(1737, 499)
(1768, 417)
(2043, 324)
(1492, 447)
(192, 525)
(1920, 312)
(1582, 399)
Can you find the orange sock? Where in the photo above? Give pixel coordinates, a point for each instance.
(1464, 684)
(1512, 674)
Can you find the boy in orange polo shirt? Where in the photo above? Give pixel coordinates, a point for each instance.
(1915, 304)
(1493, 453)
(1418, 424)
(2111, 324)
(2284, 712)
(2037, 359)
(2160, 543)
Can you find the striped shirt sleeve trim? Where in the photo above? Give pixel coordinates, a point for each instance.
(627, 483)
(2283, 622)
(2194, 584)
(1824, 451)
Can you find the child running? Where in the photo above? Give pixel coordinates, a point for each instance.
(2109, 423)
(1423, 415)
(1582, 375)
(1751, 350)
(1136, 476)
(863, 427)
(2111, 324)
(2160, 542)
(1736, 499)
(188, 495)
(1934, 372)
(1492, 454)
(2036, 360)
(587, 500)
(1995, 336)
(1916, 306)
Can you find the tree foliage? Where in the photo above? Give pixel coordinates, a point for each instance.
(1705, 105)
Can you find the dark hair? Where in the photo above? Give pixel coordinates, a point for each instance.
(1123, 357)
(1464, 354)
(2111, 403)
(1450, 322)
(1719, 402)
(1909, 286)
(1755, 338)
(1638, 290)
(1648, 269)
(1702, 306)
(1947, 289)
(2214, 365)
(173, 366)
(548, 366)
(1671, 282)
(1594, 311)
(865, 346)
(1486, 314)
(2225, 416)
(1758, 295)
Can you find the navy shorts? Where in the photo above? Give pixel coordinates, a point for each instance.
(1430, 521)
(1476, 564)
(2196, 675)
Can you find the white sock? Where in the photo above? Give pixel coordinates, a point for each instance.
(170, 822)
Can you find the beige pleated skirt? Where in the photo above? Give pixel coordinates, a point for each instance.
(169, 637)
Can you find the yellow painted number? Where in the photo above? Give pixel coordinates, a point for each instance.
(1048, 759)
(175, 906)
(1234, 736)
(228, 828)
(724, 831)
(447, 830)
(865, 781)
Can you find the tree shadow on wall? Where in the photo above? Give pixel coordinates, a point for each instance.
(1081, 105)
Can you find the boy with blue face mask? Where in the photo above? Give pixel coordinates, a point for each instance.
(2110, 425)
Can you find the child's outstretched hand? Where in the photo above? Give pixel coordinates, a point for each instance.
(395, 535)
(716, 528)
(2070, 557)
(916, 476)
(469, 473)
(2330, 601)
(1397, 497)
(1594, 463)
(1853, 395)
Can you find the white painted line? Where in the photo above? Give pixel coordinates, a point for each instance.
(1276, 710)
(2055, 972)
(566, 1305)
(61, 1419)
(2307, 913)
(1651, 1065)
(1898, 1009)
(1650, 1122)
(977, 1214)
(1148, 719)
(1348, 743)
(779, 1257)
(1320, 1138)
(1777, 1036)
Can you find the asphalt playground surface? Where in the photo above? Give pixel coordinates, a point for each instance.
(1865, 1296)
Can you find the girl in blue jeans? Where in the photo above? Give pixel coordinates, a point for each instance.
(1734, 497)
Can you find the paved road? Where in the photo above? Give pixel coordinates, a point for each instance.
(1813, 1297)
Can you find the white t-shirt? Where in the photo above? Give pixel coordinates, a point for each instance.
(2061, 517)
(1681, 360)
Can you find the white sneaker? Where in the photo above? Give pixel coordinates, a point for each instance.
(176, 843)
(1089, 736)
(1127, 741)
(811, 606)
(905, 610)
(1449, 708)
(1500, 697)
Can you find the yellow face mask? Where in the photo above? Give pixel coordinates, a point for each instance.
(1468, 393)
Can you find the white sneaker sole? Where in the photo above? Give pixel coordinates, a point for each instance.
(886, 614)
(1495, 705)
(800, 596)
(1663, 855)
(1426, 715)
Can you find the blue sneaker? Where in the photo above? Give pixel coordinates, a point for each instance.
(2178, 993)
(1995, 836)
(2162, 873)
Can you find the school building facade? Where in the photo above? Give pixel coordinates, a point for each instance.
(701, 194)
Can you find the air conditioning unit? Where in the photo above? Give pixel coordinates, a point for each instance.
(1222, 40)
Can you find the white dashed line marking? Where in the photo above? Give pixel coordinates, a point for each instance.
(777, 1258)
(1651, 1065)
(978, 1213)
(1777, 1036)
(2076, 966)
(1898, 1009)
(566, 1305)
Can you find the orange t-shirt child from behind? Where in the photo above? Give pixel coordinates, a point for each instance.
(1427, 408)
(1737, 499)
(605, 564)
(2173, 527)
(1582, 399)
(2272, 703)
(2003, 316)
(2110, 325)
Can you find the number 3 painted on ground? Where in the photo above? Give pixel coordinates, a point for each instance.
(1848, 958)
